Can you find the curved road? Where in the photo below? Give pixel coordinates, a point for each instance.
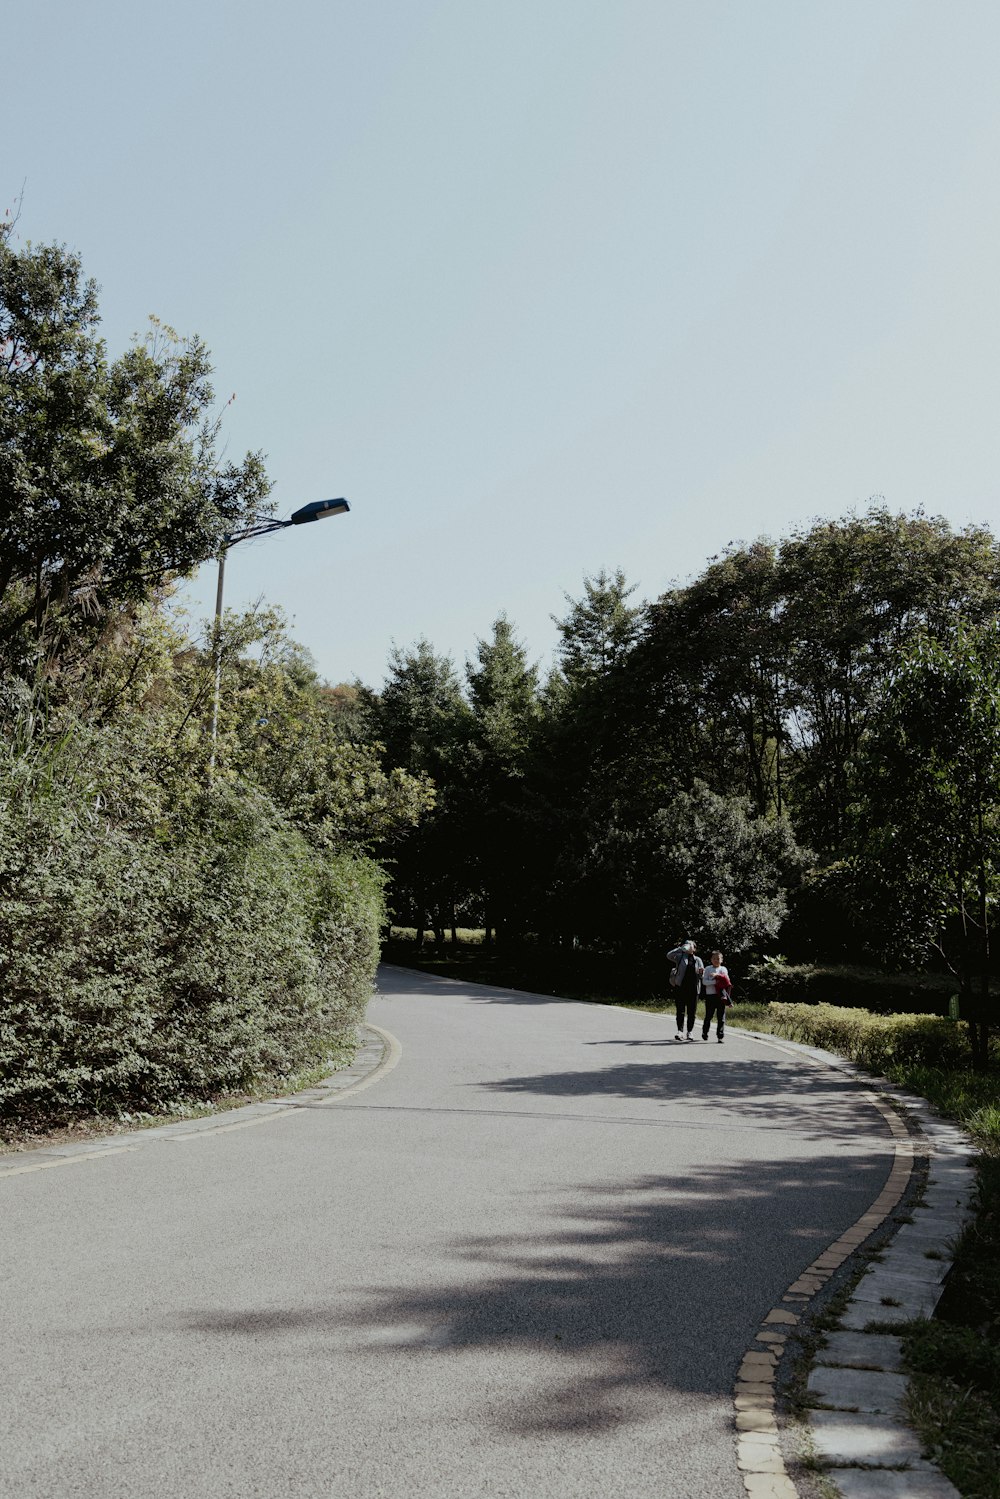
(526, 1262)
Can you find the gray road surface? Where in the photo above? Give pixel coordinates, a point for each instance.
(527, 1262)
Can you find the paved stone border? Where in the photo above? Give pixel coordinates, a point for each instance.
(858, 1433)
(377, 1054)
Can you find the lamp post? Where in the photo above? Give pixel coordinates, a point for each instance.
(315, 510)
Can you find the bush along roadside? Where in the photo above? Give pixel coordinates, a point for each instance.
(849, 986)
(953, 1360)
(153, 955)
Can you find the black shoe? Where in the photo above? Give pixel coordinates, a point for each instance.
(720, 1039)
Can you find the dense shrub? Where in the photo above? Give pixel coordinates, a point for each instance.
(151, 953)
(844, 984)
(876, 1042)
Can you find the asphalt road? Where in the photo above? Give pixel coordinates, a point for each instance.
(526, 1262)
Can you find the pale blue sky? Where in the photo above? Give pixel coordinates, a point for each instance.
(540, 287)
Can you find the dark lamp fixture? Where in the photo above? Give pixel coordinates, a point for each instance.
(318, 510)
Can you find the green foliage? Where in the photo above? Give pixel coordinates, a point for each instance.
(959, 1427)
(421, 716)
(876, 1042)
(728, 871)
(955, 1352)
(425, 724)
(495, 795)
(600, 629)
(577, 813)
(110, 475)
(705, 867)
(503, 690)
(281, 729)
(765, 671)
(709, 669)
(928, 776)
(166, 932)
(850, 985)
(152, 952)
(854, 593)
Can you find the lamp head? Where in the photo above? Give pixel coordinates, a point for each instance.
(317, 510)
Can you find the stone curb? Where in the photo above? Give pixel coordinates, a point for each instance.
(858, 1432)
(378, 1052)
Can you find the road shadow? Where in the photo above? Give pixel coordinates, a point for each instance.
(812, 1102)
(625, 1297)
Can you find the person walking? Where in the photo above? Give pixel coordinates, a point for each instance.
(685, 977)
(717, 986)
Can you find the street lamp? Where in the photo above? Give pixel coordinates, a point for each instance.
(263, 526)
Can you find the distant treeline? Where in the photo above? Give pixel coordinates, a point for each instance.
(764, 759)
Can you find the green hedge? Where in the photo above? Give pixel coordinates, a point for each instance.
(876, 1042)
(855, 987)
(149, 958)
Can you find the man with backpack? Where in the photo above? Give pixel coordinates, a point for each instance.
(685, 978)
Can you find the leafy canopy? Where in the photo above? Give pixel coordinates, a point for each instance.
(110, 474)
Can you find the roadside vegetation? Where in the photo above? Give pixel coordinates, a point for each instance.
(170, 932)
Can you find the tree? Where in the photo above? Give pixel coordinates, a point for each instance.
(600, 628)
(503, 689)
(421, 715)
(723, 871)
(705, 866)
(110, 476)
(853, 593)
(760, 675)
(927, 865)
(710, 665)
(163, 933)
(424, 722)
(574, 774)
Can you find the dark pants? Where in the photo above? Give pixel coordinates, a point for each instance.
(713, 1003)
(687, 1004)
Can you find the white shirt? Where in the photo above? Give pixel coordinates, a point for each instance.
(708, 977)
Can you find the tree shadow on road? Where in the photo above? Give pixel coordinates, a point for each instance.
(632, 1294)
(811, 1102)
